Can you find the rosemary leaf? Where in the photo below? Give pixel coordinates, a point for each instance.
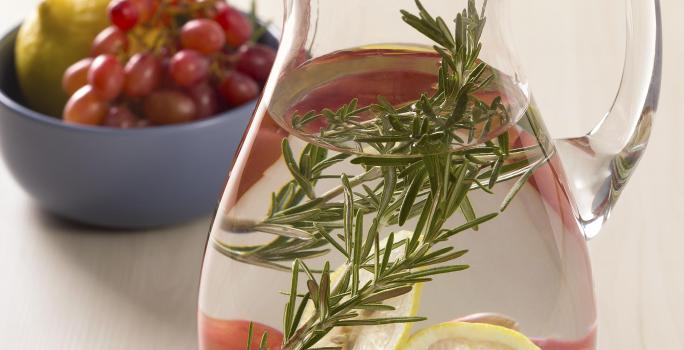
(468, 211)
(283, 230)
(521, 182)
(410, 197)
(376, 307)
(289, 312)
(333, 242)
(438, 260)
(389, 246)
(293, 218)
(446, 235)
(263, 344)
(314, 291)
(387, 294)
(438, 271)
(356, 253)
(250, 335)
(391, 161)
(295, 171)
(324, 293)
(348, 214)
(379, 321)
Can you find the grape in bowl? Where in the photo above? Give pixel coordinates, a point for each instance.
(119, 178)
(163, 63)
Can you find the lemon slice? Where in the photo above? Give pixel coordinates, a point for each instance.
(468, 336)
(380, 337)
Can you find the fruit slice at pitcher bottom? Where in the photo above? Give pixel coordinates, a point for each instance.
(385, 337)
(468, 336)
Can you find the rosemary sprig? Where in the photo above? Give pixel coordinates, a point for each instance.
(305, 226)
(421, 260)
(419, 174)
(451, 118)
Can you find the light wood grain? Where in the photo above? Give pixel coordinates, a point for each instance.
(67, 287)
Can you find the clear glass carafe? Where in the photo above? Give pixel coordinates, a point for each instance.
(397, 176)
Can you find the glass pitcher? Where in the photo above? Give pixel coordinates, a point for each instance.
(397, 188)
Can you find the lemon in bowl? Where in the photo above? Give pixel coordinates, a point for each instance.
(57, 34)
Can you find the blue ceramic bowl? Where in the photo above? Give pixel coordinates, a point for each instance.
(131, 179)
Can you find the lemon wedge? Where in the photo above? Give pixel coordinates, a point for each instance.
(385, 337)
(468, 336)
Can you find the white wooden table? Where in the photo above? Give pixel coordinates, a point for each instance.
(64, 286)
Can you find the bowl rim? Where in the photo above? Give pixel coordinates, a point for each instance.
(38, 117)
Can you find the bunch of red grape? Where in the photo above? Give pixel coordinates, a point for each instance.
(165, 62)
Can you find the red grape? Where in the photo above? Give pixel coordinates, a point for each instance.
(188, 67)
(76, 76)
(237, 88)
(256, 60)
(143, 74)
(169, 107)
(203, 35)
(205, 99)
(121, 117)
(85, 107)
(237, 26)
(106, 76)
(167, 80)
(146, 9)
(110, 41)
(123, 14)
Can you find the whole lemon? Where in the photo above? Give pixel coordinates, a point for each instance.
(57, 34)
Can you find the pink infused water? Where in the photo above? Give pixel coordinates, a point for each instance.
(529, 265)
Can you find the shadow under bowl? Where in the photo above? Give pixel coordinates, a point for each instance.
(114, 178)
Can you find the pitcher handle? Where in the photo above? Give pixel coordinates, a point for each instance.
(599, 164)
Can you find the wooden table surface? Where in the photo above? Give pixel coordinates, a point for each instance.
(64, 286)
